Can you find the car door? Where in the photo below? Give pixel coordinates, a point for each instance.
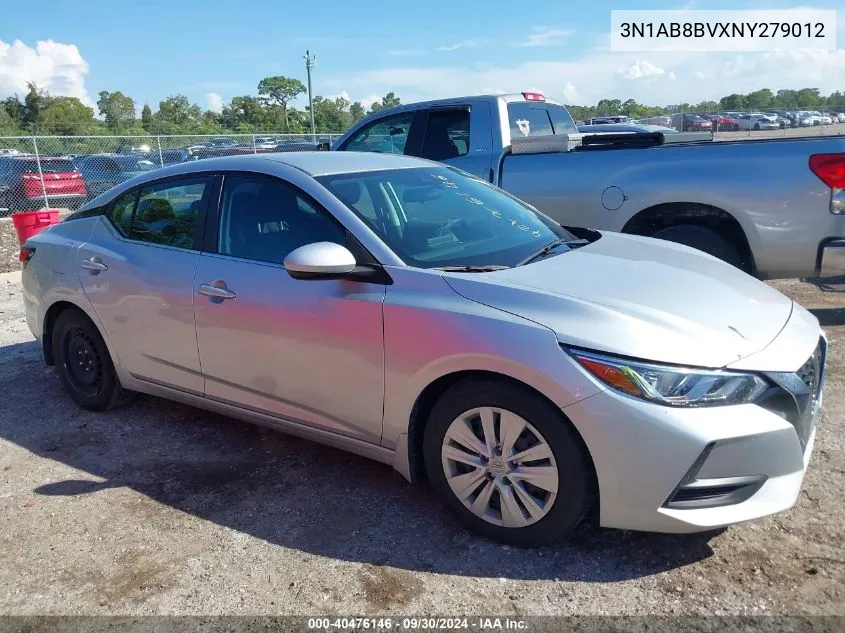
(308, 351)
(137, 270)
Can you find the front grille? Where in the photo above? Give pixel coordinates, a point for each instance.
(800, 393)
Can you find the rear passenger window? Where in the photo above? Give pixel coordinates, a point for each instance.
(167, 213)
(121, 212)
(446, 134)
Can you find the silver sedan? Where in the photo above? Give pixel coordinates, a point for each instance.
(414, 314)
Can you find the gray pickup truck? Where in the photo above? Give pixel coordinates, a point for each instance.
(772, 207)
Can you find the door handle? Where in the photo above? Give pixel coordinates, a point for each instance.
(93, 264)
(215, 292)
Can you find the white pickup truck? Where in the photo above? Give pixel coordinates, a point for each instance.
(772, 207)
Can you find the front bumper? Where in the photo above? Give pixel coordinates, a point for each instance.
(831, 260)
(664, 469)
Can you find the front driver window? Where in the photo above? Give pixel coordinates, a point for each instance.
(264, 219)
(386, 136)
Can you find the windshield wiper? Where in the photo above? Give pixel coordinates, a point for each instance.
(549, 247)
(472, 269)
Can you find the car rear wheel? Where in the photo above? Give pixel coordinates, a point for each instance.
(703, 239)
(84, 364)
(506, 463)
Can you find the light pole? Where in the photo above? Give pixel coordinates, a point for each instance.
(309, 64)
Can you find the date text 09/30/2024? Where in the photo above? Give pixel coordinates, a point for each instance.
(417, 624)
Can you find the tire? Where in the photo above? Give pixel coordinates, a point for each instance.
(756, 127)
(94, 385)
(703, 239)
(573, 478)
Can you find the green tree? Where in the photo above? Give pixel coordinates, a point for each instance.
(389, 100)
(8, 125)
(146, 117)
(759, 99)
(117, 109)
(331, 115)
(65, 116)
(243, 114)
(176, 115)
(356, 112)
(280, 90)
(33, 104)
(808, 98)
(732, 102)
(14, 108)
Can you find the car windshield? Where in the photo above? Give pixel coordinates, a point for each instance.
(48, 165)
(433, 217)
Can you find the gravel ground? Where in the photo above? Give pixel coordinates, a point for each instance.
(159, 508)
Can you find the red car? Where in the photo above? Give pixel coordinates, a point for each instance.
(725, 123)
(21, 186)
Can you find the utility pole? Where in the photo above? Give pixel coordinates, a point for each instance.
(309, 64)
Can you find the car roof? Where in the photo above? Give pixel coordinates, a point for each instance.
(317, 163)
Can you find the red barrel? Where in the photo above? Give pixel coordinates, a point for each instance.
(28, 223)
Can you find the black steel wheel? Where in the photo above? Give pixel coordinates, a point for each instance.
(84, 364)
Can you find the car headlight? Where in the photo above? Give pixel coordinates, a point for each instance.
(672, 386)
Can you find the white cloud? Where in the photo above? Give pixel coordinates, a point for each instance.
(543, 36)
(57, 68)
(570, 95)
(366, 102)
(447, 48)
(214, 102)
(341, 95)
(457, 46)
(661, 79)
(640, 68)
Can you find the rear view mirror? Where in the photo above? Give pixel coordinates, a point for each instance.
(320, 260)
(421, 194)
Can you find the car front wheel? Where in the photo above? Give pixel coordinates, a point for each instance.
(507, 463)
(84, 364)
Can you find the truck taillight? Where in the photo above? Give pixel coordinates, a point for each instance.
(830, 168)
(534, 96)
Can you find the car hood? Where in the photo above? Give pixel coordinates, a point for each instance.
(639, 297)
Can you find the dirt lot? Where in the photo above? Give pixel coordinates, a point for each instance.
(162, 508)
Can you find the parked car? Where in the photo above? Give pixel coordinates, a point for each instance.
(222, 141)
(104, 171)
(756, 122)
(782, 121)
(174, 156)
(22, 188)
(723, 123)
(719, 197)
(662, 121)
(686, 122)
(265, 142)
(411, 313)
(600, 120)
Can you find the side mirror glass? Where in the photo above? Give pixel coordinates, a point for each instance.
(320, 260)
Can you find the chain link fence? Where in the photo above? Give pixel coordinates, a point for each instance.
(63, 172)
(739, 124)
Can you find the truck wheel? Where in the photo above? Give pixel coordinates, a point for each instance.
(757, 127)
(703, 239)
(506, 463)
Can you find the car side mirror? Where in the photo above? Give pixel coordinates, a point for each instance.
(320, 260)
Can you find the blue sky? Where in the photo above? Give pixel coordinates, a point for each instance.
(212, 51)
